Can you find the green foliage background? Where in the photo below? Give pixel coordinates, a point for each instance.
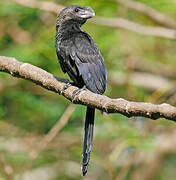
(27, 110)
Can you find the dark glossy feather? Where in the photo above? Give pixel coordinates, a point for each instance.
(88, 138)
(89, 62)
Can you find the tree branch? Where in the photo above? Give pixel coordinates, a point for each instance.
(42, 5)
(110, 22)
(104, 103)
(145, 80)
(135, 27)
(150, 12)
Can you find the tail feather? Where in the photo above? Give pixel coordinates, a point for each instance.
(88, 138)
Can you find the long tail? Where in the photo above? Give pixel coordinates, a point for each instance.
(88, 138)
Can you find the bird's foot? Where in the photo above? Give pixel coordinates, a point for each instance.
(76, 92)
(66, 86)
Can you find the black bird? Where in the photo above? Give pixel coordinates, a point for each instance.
(80, 58)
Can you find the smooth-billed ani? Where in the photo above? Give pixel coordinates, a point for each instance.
(80, 58)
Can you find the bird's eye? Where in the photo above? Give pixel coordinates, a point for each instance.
(76, 9)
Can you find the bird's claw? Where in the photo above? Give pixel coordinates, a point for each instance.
(66, 86)
(76, 92)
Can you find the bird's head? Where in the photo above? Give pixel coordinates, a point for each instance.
(75, 13)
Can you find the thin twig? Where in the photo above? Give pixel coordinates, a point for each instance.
(110, 22)
(49, 137)
(155, 15)
(135, 27)
(125, 169)
(141, 64)
(7, 170)
(42, 5)
(54, 131)
(145, 80)
(151, 162)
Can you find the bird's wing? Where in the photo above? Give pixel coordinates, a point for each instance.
(89, 62)
(61, 61)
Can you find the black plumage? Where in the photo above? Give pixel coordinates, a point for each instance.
(80, 58)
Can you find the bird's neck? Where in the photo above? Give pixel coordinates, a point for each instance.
(67, 28)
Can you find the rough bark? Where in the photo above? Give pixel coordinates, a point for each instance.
(104, 103)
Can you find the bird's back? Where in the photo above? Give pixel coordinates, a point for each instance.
(80, 58)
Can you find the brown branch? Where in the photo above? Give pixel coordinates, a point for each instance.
(110, 22)
(18, 35)
(48, 138)
(7, 170)
(42, 5)
(135, 27)
(150, 12)
(125, 169)
(145, 65)
(151, 162)
(145, 80)
(104, 103)
(53, 132)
